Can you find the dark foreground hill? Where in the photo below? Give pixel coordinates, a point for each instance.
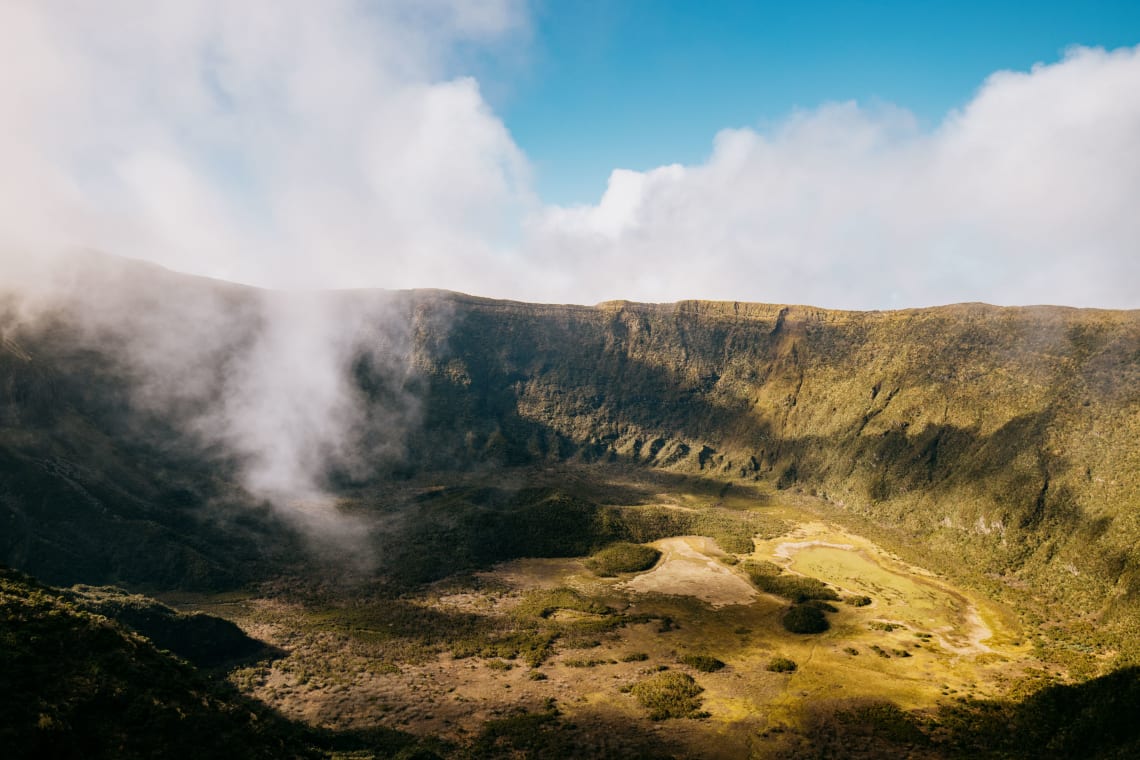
(1000, 441)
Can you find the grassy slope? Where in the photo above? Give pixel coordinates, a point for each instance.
(73, 684)
(1003, 444)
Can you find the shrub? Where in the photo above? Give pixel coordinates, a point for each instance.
(635, 657)
(858, 601)
(669, 695)
(781, 665)
(802, 618)
(770, 578)
(623, 557)
(702, 662)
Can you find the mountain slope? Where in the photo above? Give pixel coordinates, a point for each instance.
(1003, 443)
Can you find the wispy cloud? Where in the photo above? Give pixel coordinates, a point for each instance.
(278, 143)
(301, 145)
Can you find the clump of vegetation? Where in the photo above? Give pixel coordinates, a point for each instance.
(880, 651)
(544, 603)
(781, 665)
(851, 651)
(499, 665)
(730, 560)
(537, 675)
(702, 662)
(882, 625)
(588, 663)
(858, 601)
(635, 657)
(531, 645)
(819, 604)
(803, 618)
(733, 531)
(770, 578)
(669, 695)
(623, 557)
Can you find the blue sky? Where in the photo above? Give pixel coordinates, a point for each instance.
(638, 84)
(851, 155)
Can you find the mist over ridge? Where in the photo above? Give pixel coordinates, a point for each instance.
(1004, 437)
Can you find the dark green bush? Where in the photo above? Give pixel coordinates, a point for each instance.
(623, 557)
(702, 662)
(669, 695)
(770, 578)
(781, 665)
(802, 618)
(858, 601)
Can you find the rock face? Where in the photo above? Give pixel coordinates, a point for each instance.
(1004, 439)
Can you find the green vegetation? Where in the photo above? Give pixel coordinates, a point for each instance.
(669, 695)
(771, 578)
(781, 665)
(857, 601)
(588, 663)
(1095, 719)
(544, 603)
(803, 618)
(204, 640)
(882, 625)
(702, 662)
(623, 557)
(74, 684)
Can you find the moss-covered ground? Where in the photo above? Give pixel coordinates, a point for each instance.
(451, 657)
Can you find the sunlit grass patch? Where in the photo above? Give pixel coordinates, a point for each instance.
(669, 695)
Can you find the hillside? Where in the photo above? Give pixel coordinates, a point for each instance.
(999, 443)
(1002, 440)
(75, 684)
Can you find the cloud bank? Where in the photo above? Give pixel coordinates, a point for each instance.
(286, 145)
(1026, 195)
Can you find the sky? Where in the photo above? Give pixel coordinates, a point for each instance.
(848, 155)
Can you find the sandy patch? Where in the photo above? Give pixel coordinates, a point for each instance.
(688, 567)
(786, 549)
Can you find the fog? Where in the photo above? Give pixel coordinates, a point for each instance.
(260, 378)
(272, 144)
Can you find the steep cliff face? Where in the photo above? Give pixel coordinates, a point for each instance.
(1006, 440)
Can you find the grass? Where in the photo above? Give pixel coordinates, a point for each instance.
(544, 603)
(771, 578)
(781, 665)
(669, 695)
(623, 557)
(803, 618)
(702, 662)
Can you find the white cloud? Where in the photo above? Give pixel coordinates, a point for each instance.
(1028, 195)
(307, 145)
(281, 143)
